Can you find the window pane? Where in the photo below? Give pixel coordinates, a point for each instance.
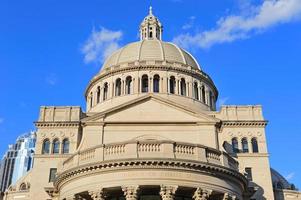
(52, 174)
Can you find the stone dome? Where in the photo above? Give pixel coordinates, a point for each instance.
(151, 50)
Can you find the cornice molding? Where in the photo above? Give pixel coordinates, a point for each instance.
(173, 164)
(40, 124)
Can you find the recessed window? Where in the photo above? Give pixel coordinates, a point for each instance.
(172, 84)
(196, 91)
(118, 87)
(248, 171)
(254, 145)
(105, 91)
(156, 82)
(245, 147)
(56, 146)
(235, 145)
(66, 144)
(46, 146)
(52, 174)
(128, 83)
(144, 83)
(183, 87)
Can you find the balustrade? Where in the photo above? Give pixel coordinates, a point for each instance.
(153, 149)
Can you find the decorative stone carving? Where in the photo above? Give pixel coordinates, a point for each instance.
(130, 192)
(168, 192)
(97, 194)
(201, 194)
(227, 196)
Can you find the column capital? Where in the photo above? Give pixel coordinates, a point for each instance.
(168, 192)
(131, 192)
(201, 194)
(227, 196)
(97, 194)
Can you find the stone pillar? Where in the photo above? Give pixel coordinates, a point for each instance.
(177, 86)
(97, 194)
(168, 192)
(201, 194)
(227, 196)
(130, 192)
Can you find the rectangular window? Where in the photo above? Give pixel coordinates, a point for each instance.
(52, 174)
(248, 171)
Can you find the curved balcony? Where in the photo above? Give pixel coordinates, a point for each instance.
(146, 150)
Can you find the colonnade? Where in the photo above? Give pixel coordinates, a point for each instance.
(167, 192)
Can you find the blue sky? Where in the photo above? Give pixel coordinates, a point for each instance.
(51, 49)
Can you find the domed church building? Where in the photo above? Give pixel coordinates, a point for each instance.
(151, 131)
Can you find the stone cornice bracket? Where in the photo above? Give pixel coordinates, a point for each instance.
(130, 192)
(168, 192)
(201, 194)
(227, 196)
(97, 194)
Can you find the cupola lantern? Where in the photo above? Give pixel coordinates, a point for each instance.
(151, 28)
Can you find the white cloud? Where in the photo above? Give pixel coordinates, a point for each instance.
(251, 20)
(189, 24)
(290, 176)
(51, 79)
(222, 101)
(100, 44)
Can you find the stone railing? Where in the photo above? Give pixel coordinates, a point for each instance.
(150, 149)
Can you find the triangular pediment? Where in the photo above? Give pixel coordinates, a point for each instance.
(151, 109)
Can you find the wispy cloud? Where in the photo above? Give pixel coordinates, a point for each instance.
(1, 120)
(290, 176)
(252, 20)
(100, 44)
(189, 24)
(222, 101)
(51, 79)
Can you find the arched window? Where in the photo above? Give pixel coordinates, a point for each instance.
(56, 146)
(172, 84)
(254, 145)
(46, 146)
(91, 100)
(105, 91)
(203, 94)
(144, 83)
(196, 91)
(244, 144)
(235, 145)
(65, 146)
(98, 94)
(211, 99)
(128, 84)
(118, 87)
(23, 187)
(156, 83)
(183, 87)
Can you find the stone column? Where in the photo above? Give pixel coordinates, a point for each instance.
(130, 192)
(228, 196)
(201, 194)
(97, 194)
(168, 192)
